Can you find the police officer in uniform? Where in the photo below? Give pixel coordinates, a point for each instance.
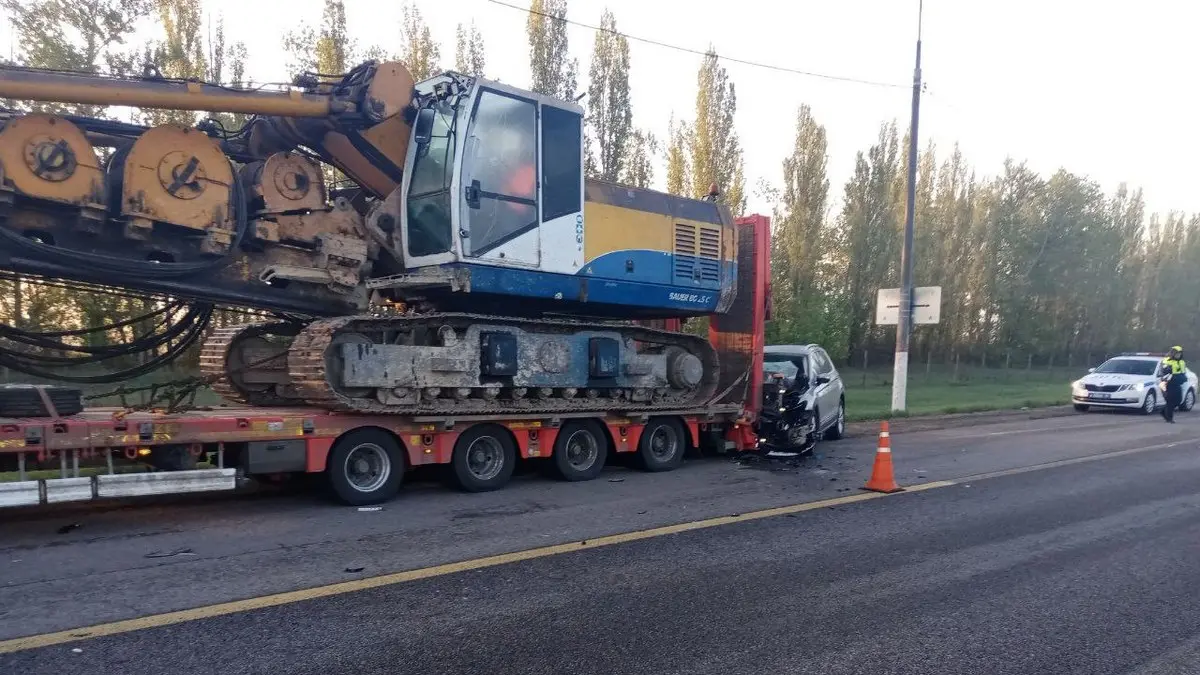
(1174, 372)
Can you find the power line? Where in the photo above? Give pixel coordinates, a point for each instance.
(689, 50)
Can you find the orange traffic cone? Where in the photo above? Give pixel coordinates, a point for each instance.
(883, 479)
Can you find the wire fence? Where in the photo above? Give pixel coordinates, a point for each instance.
(876, 365)
(880, 372)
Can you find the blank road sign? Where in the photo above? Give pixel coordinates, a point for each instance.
(927, 306)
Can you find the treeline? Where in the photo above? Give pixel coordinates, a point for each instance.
(1038, 265)
(1049, 267)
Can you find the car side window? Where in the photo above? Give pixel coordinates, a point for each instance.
(821, 364)
(828, 362)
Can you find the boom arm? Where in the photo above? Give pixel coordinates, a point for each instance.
(58, 87)
(360, 123)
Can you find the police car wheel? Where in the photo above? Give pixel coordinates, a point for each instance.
(1150, 404)
(1189, 400)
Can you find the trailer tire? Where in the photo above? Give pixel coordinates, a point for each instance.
(366, 466)
(484, 458)
(580, 451)
(662, 445)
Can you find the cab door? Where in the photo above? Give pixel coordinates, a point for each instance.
(499, 176)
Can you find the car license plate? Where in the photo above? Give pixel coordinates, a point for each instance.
(1099, 395)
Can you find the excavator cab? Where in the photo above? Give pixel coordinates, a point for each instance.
(495, 178)
(494, 205)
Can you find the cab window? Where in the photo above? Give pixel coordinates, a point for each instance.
(429, 225)
(500, 171)
(562, 164)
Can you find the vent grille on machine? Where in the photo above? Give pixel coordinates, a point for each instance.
(685, 253)
(710, 254)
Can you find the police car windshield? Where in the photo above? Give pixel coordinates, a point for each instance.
(1128, 367)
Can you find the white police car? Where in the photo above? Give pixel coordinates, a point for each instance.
(1128, 381)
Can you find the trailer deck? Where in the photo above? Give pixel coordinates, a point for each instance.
(247, 441)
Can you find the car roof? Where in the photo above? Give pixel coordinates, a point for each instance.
(787, 350)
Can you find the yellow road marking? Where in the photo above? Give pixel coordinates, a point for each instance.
(274, 600)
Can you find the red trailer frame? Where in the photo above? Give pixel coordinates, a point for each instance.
(288, 440)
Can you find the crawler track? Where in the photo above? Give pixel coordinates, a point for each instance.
(225, 361)
(313, 377)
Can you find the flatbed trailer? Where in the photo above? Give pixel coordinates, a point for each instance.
(364, 457)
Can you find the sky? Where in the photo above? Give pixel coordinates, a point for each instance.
(1096, 87)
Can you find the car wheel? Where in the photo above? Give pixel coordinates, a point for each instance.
(838, 429)
(1189, 400)
(1079, 407)
(1150, 404)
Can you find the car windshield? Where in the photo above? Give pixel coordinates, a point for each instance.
(1128, 367)
(789, 367)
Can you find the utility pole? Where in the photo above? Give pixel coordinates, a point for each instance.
(904, 324)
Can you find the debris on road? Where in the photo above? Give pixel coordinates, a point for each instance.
(170, 554)
(369, 509)
(777, 461)
(68, 528)
(354, 570)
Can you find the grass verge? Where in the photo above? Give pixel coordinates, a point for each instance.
(872, 403)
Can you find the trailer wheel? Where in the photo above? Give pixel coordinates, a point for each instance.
(580, 450)
(661, 445)
(366, 466)
(484, 458)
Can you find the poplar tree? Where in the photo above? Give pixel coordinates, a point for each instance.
(469, 56)
(678, 166)
(553, 71)
(799, 229)
(419, 52)
(179, 55)
(610, 112)
(714, 151)
(639, 164)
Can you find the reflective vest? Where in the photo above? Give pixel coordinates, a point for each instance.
(1175, 366)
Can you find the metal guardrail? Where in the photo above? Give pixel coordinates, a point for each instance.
(112, 486)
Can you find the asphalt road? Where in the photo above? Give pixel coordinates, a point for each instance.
(1035, 559)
